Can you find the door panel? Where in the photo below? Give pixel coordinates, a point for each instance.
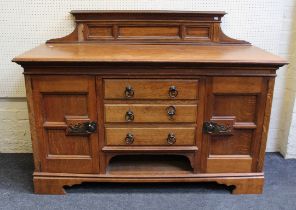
(64, 106)
(231, 144)
(234, 115)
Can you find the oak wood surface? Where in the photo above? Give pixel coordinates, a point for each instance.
(149, 53)
(150, 113)
(54, 101)
(243, 184)
(150, 136)
(150, 89)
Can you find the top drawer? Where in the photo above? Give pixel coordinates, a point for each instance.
(150, 89)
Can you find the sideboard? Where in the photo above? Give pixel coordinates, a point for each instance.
(148, 96)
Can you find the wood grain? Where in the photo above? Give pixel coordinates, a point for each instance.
(243, 184)
(146, 53)
(150, 136)
(150, 89)
(150, 113)
(54, 101)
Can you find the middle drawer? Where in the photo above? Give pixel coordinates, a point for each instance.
(150, 136)
(150, 113)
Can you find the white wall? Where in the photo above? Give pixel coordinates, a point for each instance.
(27, 23)
(288, 144)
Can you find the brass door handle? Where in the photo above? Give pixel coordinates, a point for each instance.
(129, 116)
(129, 92)
(85, 128)
(171, 138)
(129, 139)
(216, 129)
(173, 92)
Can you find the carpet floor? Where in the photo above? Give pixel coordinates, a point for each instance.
(16, 191)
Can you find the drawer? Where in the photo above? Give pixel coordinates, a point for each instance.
(150, 136)
(150, 89)
(150, 113)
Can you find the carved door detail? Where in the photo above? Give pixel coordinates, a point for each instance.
(234, 117)
(66, 123)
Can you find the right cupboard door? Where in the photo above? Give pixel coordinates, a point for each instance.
(232, 130)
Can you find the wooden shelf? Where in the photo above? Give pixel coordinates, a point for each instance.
(149, 165)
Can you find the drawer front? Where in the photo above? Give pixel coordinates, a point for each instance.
(150, 89)
(150, 136)
(165, 113)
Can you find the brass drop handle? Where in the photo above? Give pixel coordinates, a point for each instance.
(85, 128)
(216, 129)
(129, 139)
(129, 92)
(171, 111)
(129, 116)
(171, 138)
(173, 92)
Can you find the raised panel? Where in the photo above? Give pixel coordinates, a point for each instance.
(56, 106)
(149, 32)
(234, 164)
(238, 85)
(99, 32)
(60, 144)
(239, 143)
(61, 84)
(243, 107)
(197, 32)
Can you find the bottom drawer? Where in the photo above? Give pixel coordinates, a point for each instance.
(150, 136)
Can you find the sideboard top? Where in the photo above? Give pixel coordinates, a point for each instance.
(90, 52)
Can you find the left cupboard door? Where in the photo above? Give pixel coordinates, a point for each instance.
(66, 123)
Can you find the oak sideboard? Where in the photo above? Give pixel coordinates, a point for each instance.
(148, 96)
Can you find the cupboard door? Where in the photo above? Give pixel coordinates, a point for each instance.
(66, 123)
(233, 126)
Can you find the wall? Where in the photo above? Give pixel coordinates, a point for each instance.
(14, 126)
(25, 24)
(288, 145)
